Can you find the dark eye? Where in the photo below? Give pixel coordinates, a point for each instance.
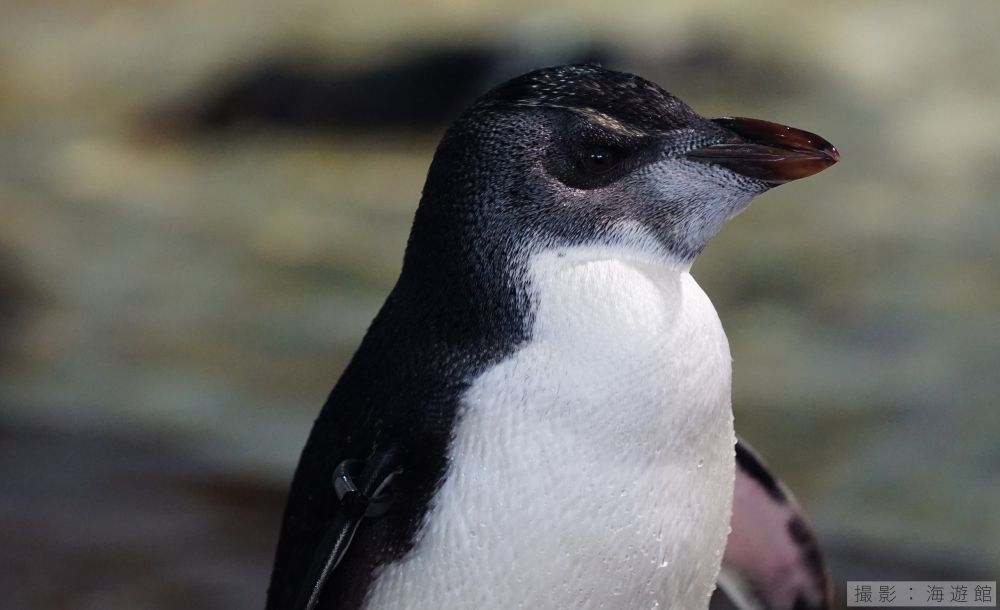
(600, 160)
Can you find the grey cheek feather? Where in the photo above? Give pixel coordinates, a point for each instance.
(688, 203)
(772, 560)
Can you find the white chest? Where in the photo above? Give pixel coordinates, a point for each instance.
(594, 467)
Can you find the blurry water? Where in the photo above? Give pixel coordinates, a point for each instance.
(206, 290)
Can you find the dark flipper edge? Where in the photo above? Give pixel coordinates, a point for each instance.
(772, 559)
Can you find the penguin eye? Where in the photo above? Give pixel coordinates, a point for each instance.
(599, 161)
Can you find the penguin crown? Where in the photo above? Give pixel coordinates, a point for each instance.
(629, 100)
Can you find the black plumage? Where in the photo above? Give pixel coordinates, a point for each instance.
(555, 158)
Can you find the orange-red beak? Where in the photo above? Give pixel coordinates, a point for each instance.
(767, 151)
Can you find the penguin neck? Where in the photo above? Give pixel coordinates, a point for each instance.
(467, 283)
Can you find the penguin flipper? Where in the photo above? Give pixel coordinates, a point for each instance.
(772, 559)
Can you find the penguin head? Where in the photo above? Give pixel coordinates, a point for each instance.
(578, 155)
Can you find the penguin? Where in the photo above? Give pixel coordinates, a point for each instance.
(545, 395)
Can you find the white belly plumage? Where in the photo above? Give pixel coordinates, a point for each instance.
(593, 468)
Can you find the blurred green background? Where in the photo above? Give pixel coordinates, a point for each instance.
(179, 292)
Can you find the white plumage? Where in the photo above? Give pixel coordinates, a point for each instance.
(593, 468)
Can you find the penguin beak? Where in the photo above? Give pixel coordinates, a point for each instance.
(768, 152)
